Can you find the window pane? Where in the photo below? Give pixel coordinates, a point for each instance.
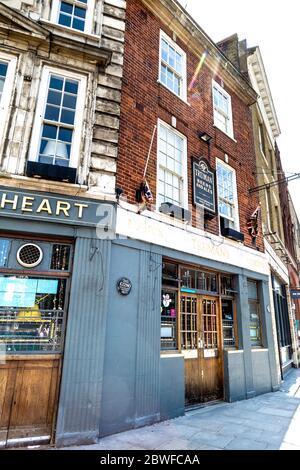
(49, 131)
(56, 82)
(171, 143)
(78, 24)
(3, 72)
(69, 101)
(52, 113)
(80, 12)
(171, 67)
(67, 116)
(64, 20)
(71, 86)
(66, 7)
(168, 320)
(65, 134)
(252, 290)
(4, 252)
(54, 97)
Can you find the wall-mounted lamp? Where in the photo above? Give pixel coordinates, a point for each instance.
(207, 139)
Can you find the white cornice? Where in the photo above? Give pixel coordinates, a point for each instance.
(262, 87)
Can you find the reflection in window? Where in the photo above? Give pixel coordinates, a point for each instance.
(31, 313)
(4, 252)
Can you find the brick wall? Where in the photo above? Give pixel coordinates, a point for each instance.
(144, 100)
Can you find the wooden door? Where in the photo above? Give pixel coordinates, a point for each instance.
(28, 391)
(201, 346)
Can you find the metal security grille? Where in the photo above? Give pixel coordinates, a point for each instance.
(29, 330)
(189, 333)
(29, 255)
(209, 319)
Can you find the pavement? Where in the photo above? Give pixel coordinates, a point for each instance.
(266, 422)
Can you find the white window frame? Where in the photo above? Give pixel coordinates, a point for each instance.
(88, 24)
(234, 220)
(184, 202)
(40, 111)
(183, 94)
(228, 117)
(5, 102)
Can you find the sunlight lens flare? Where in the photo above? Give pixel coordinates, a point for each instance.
(197, 71)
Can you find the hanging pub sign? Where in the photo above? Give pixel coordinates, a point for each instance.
(295, 293)
(204, 188)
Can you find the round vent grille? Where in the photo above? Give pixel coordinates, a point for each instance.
(29, 255)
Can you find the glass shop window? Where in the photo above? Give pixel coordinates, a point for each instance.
(227, 286)
(169, 275)
(206, 281)
(188, 278)
(168, 319)
(229, 340)
(4, 252)
(254, 309)
(32, 313)
(198, 280)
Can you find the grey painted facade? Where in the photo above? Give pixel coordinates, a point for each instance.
(141, 385)
(114, 376)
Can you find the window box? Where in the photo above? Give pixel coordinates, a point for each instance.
(175, 211)
(51, 172)
(233, 234)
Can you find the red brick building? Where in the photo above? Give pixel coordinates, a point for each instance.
(145, 99)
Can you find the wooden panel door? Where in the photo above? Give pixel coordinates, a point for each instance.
(29, 391)
(201, 346)
(8, 373)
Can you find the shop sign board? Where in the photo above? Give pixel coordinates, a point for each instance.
(295, 293)
(204, 187)
(54, 208)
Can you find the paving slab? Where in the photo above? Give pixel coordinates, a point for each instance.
(265, 422)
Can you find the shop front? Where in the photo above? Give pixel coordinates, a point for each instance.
(196, 326)
(198, 318)
(53, 260)
(34, 287)
(283, 327)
